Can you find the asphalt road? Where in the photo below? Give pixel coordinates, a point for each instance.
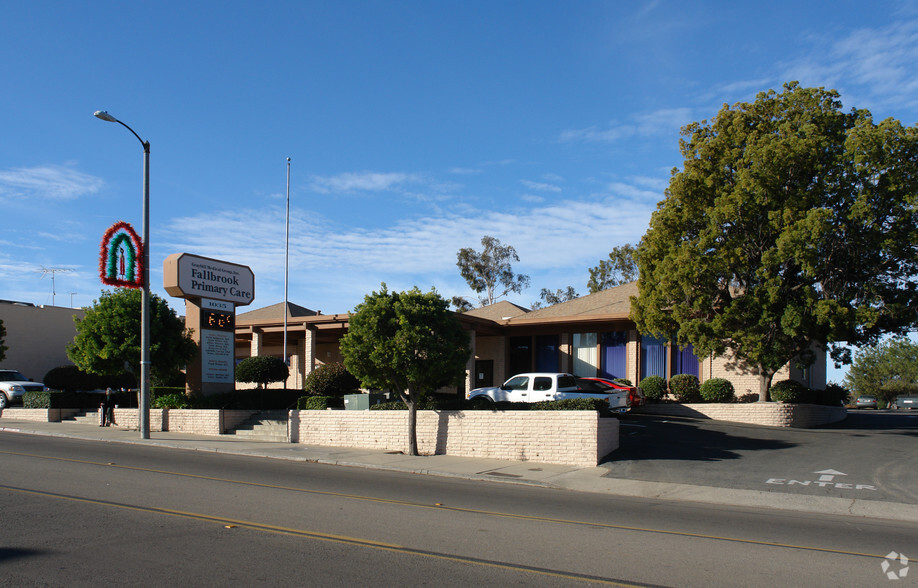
(79, 513)
(871, 455)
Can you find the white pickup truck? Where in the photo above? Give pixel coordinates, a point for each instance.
(538, 387)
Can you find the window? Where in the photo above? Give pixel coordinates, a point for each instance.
(614, 355)
(684, 360)
(653, 357)
(541, 383)
(585, 363)
(517, 383)
(547, 353)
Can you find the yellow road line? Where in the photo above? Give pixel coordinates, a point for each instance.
(536, 518)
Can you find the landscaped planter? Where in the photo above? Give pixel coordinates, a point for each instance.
(41, 415)
(774, 414)
(566, 437)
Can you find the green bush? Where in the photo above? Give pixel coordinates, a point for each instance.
(171, 401)
(598, 404)
(71, 379)
(624, 381)
(790, 392)
(654, 387)
(685, 388)
(330, 379)
(262, 370)
(717, 390)
(833, 395)
(319, 402)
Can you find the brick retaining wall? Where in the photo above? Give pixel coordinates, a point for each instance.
(565, 437)
(774, 414)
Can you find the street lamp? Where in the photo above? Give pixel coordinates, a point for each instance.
(145, 305)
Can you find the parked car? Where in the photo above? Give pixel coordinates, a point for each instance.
(908, 402)
(13, 385)
(538, 387)
(635, 395)
(865, 402)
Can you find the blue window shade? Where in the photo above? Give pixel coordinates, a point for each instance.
(614, 355)
(653, 357)
(547, 353)
(685, 361)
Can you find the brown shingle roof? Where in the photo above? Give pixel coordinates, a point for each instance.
(274, 313)
(497, 311)
(614, 301)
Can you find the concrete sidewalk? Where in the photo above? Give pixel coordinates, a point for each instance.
(519, 472)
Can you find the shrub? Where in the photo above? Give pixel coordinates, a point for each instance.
(72, 379)
(748, 397)
(171, 401)
(654, 387)
(717, 390)
(598, 404)
(833, 395)
(790, 392)
(624, 381)
(330, 379)
(262, 370)
(685, 388)
(319, 402)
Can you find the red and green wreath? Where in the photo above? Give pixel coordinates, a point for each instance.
(121, 257)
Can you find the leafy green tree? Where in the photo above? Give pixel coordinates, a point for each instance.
(887, 369)
(791, 224)
(330, 379)
(558, 296)
(3, 347)
(108, 336)
(491, 270)
(620, 268)
(262, 370)
(407, 342)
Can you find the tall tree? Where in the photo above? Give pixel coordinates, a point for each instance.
(407, 342)
(491, 270)
(887, 369)
(792, 223)
(620, 268)
(3, 347)
(558, 296)
(108, 336)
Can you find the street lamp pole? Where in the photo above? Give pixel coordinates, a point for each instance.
(145, 304)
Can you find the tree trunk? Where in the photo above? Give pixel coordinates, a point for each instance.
(765, 377)
(412, 425)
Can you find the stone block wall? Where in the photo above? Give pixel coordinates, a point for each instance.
(773, 414)
(565, 437)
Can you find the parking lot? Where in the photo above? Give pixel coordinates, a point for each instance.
(868, 456)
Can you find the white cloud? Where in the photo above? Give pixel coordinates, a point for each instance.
(48, 182)
(362, 182)
(663, 122)
(540, 186)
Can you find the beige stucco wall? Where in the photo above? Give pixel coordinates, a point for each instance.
(566, 437)
(37, 337)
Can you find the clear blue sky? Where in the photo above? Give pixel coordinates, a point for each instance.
(414, 128)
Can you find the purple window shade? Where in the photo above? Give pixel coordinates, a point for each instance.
(547, 353)
(685, 361)
(614, 355)
(653, 357)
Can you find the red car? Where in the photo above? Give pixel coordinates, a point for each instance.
(635, 396)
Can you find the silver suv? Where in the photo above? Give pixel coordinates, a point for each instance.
(13, 385)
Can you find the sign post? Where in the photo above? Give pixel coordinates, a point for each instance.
(212, 290)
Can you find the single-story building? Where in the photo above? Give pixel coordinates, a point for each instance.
(588, 336)
(37, 337)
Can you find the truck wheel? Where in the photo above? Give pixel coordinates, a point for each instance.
(481, 402)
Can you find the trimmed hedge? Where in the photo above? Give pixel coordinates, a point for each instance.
(717, 390)
(654, 387)
(790, 392)
(319, 402)
(685, 388)
(330, 379)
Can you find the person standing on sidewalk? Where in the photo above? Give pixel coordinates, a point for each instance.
(108, 409)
